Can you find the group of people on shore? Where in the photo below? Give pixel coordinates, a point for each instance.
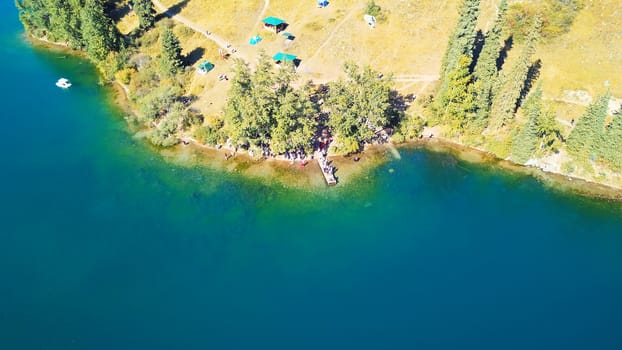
(297, 155)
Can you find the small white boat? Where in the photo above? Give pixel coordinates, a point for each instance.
(63, 83)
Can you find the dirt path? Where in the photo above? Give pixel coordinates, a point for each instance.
(332, 34)
(615, 104)
(211, 36)
(266, 4)
(415, 78)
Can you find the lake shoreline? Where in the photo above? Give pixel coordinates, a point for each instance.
(372, 155)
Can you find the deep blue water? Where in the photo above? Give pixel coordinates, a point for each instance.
(105, 245)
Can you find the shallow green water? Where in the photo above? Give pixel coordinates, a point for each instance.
(104, 245)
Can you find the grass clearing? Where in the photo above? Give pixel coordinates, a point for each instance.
(588, 55)
(409, 42)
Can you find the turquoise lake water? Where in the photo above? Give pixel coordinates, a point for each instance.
(104, 245)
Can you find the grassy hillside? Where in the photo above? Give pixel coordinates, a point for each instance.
(408, 43)
(589, 54)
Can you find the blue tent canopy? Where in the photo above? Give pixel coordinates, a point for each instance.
(283, 57)
(206, 66)
(273, 21)
(254, 40)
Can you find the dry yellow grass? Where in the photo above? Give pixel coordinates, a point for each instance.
(589, 54)
(232, 19)
(409, 44)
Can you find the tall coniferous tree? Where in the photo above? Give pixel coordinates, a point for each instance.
(459, 99)
(171, 60)
(99, 33)
(60, 13)
(359, 106)
(505, 100)
(588, 133)
(611, 151)
(526, 142)
(486, 71)
(463, 38)
(460, 45)
(145, 12)
(239, 102)
(75, 23)
(58, 20)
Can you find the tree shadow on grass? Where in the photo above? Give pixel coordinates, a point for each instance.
(117, 10)
(173, 10)
(532, 76)
(194, 56)
(503, 54)
(480, 40)
(399, 104)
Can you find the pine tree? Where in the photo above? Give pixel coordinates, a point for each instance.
(58, 20)
(145, 12)
(463, 38)
(261, 117)
(486, 72)
(612, 149)
(459, 99)
(75, 24)
(60, 13)
(239, 102)
(359, 106)
(589, 131)
(171, 61)
(99, 33)
(265, 110)
(549, 132)
(34, 15)
(295, 125)
(460, 45)
(505, 100)
(526, 142)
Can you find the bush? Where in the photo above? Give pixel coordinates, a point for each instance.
(208, 135)
(150, 37)
(347, 145)
(184, 32)
(398, 138)
(557, 17)
(412, 127)
(111, 65)
(125, 75)
(374, 10)
(568, 167)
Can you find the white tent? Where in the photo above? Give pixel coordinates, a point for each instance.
(370, 20)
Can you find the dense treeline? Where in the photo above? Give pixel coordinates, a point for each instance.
(489, 103)
(265, 110)
(476, 98)
(81, 24)
(360, 106)
(596, 137)
(480, 98)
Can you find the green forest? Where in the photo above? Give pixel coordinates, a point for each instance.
(480, 99)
